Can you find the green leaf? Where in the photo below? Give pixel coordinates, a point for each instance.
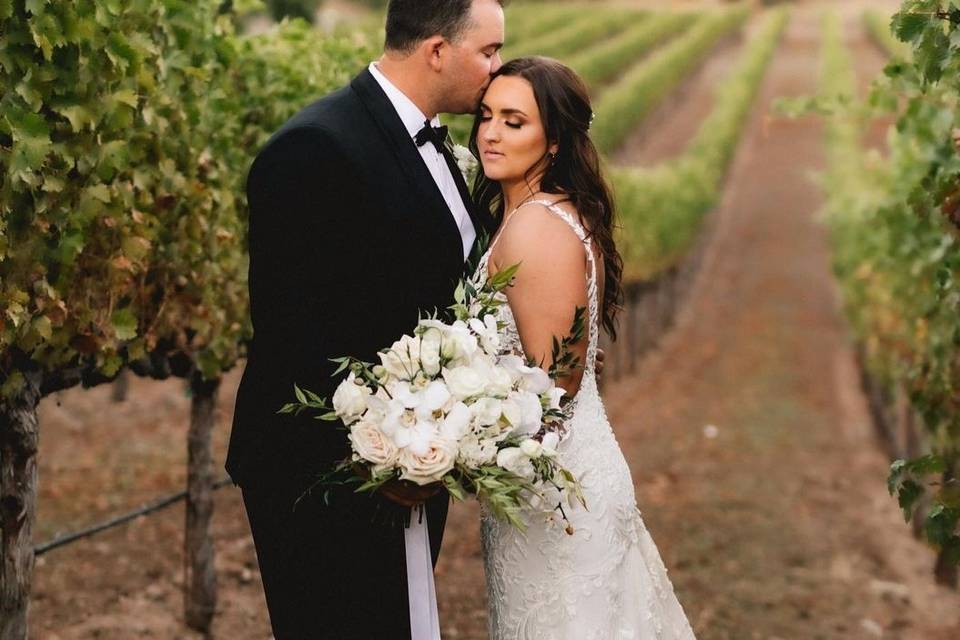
(124, 324)
(927, 464)
(35, 7)
(910, 491)
(941, 524)
(99, 192)
(931, 55)
(79, 116)
(908, 26)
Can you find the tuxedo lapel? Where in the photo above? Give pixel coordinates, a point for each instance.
(482, 220)
(408, 157)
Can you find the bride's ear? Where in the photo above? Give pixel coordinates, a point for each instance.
(436, 51)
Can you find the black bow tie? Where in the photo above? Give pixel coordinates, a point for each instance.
(429, 133)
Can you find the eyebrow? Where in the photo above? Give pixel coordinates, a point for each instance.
(508, 111)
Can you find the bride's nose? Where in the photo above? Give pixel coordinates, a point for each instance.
(491, 132)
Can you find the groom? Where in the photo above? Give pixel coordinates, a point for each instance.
(359, 221)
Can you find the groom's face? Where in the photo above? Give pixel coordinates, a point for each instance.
(474, 57)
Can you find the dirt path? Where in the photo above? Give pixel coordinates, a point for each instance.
(778, 527)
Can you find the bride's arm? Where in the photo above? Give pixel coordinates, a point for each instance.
(549, 286)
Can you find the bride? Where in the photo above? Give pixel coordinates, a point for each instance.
(541, 176)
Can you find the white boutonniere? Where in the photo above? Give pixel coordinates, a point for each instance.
(465, 162)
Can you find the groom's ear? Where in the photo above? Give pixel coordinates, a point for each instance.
(436, 50)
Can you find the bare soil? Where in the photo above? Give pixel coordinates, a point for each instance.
(778, 526)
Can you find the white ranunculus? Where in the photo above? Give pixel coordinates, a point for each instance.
(402, 360)
(456, 423)
(514, 460)
(459, 344)
(487, 411)
(430, 344)
(429, 466)
(464, 382)
(476, 452)
(373, 445)
(350, 399)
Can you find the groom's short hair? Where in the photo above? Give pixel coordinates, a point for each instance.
(410, 22)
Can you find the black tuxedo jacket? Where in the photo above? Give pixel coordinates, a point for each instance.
(350, 240)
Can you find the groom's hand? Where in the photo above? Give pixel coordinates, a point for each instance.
(407, 493)
(598, 367)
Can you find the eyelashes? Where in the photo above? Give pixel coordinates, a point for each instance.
(512, 125)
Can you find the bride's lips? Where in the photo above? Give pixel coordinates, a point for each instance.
(490, 154)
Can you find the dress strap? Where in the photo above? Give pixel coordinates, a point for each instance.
(593, 304)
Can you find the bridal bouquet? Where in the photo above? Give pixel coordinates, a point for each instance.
(449, 404)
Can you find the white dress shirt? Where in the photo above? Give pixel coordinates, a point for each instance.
(413, 120)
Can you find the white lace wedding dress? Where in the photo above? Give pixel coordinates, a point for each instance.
(606, 581)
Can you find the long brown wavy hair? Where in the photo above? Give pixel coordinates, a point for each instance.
(575, 170)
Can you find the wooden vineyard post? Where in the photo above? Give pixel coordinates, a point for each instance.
(946, 570)
(19, 435)
(121, 386)
(200, 580)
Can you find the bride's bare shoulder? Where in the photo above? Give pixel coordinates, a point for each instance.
(534, 230)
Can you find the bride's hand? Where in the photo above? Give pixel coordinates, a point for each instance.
(408, 493)
(598, 367)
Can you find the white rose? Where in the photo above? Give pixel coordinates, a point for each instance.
(498, 380)
(430, 466)
(487, 411)
(402, 360)
(513, 459)
(350, 399)
(373, 445)
(464, 382)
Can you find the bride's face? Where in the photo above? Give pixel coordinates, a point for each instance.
(511, 138)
